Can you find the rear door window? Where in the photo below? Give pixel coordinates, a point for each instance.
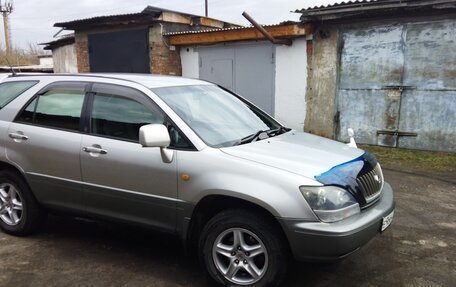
(10, 90)
(57, 108)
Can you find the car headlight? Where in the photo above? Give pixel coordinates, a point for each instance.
(330, 203)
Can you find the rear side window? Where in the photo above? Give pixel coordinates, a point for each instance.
(57, 108)
(10, 90)
(120, 117)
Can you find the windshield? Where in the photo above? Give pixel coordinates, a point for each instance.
(218, 117)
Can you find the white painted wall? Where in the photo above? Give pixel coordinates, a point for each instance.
(190, 62)
(65, 59)
(46, 60)
(291, 84)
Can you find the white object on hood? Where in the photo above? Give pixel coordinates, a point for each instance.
(351, 134)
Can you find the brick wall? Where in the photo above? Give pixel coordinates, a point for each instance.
(163, 59)
(82, 52)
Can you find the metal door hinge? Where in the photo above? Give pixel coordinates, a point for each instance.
(399, 87)
(396, 133)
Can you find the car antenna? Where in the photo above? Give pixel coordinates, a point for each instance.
(10, 66)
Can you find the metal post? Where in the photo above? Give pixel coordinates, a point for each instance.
(206, 8)
(7, 36)
(6, 8)
(266, 33)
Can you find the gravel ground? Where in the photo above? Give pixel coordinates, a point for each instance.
(419, 249)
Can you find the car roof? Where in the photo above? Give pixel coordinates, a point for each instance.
(148, 80)
(156, 81)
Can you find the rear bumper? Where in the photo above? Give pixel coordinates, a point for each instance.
(318, 241)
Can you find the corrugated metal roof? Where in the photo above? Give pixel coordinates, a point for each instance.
(60, 38)
(342, 3)
(92, 20)
(61, 41)
(225, 29)
(372, 7)
(150, 13)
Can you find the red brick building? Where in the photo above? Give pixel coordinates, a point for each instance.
(132, 43)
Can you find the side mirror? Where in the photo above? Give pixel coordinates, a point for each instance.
(154, 135)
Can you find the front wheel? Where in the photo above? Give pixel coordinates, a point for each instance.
(242, 248)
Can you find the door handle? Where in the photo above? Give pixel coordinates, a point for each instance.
(18, 136)
(92, 149)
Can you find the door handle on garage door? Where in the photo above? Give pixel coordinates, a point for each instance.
(92, 149)
(18, 136)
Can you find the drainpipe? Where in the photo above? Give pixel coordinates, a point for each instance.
(263, 31)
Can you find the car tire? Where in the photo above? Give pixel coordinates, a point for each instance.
(244, 248)
(20, 213)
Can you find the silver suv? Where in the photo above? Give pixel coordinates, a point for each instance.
(187, 157)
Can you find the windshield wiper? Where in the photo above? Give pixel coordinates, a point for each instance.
(263, 134)
(253, 137)
(278, 131)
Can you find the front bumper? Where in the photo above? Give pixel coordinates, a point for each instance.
(319, 241)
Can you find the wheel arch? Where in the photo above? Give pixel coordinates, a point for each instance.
(211, 205)
(11, 167)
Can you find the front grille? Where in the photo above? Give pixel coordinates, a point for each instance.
(371, 183)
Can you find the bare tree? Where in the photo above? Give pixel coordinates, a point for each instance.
(20, 57)
(34, 49)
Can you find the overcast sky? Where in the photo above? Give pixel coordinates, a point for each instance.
(32, 20)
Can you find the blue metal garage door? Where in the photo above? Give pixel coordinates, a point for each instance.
(398, 85)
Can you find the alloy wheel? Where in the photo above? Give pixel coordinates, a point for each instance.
(240, 256)
(10, 204)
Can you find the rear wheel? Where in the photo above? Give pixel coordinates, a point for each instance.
(20, 214)
(241, 248)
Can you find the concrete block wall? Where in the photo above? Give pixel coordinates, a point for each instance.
(64, 59)
(322, 83)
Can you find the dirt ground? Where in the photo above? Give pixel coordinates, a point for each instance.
(419, 249)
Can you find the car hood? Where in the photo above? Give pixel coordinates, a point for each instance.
(296, 152)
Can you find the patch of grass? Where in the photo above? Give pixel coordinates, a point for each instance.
(413, 160)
